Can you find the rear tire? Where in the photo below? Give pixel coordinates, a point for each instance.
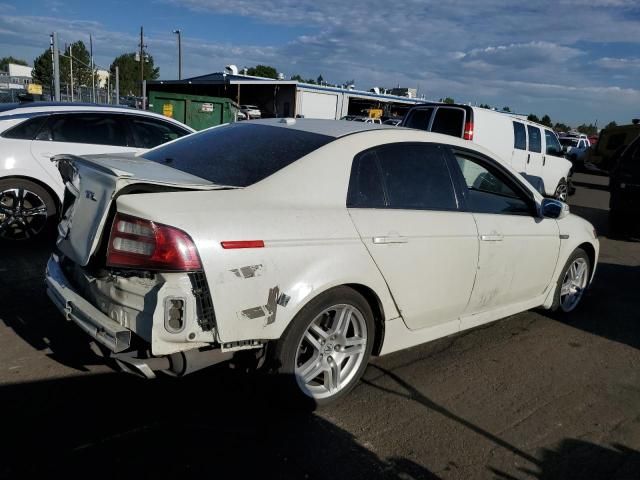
(325, 350)
(27, 210)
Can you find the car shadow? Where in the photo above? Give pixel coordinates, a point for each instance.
(591, 186)
(28, 311)
(217, 423)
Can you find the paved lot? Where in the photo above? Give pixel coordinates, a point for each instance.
(531, 396)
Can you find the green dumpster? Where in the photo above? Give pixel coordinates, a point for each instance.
(197, 111)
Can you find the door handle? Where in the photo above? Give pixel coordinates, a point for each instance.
(528, 157)
(496, 237)
(385, 240)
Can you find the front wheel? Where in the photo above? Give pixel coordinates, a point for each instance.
(26, 210)
(326, 348)
(562, 191)
(573, 282)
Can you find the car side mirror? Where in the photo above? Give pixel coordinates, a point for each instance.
(551, 208)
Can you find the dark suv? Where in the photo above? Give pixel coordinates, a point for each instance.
(624, 204)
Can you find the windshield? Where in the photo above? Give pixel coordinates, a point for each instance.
(568, 142)
(237, 154)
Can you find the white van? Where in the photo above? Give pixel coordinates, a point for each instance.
(530, 148)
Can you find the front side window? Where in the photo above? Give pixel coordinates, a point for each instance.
(535, 139)
(150, 132)
(416, 176)
(553, 146)
(489, 190)
(26, 130)
(97, 129)
(519, 136)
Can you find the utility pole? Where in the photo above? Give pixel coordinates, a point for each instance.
(56, 68)
(179, 33)
(142, 45)
(71, 68)
(117, 85)
(93, 76)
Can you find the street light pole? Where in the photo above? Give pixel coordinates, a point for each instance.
(179, 33)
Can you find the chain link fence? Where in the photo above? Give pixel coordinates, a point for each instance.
(81, 94)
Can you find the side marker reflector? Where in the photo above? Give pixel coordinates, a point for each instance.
(242, 244)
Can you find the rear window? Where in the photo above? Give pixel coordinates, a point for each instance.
(449, 121)
(535, 139)
(239, 154)
(26, 130)
(519, 136)
(419, 118)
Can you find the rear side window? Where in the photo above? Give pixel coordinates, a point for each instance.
(449, 121)
(419, 118)
(97, 129)
(149, 132)
(519, 136)
(238, 154)
(365, 186)
(26, 130)
(416, 176)
(535, 139)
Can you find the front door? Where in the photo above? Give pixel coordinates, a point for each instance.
(518, 250)
(403, 204)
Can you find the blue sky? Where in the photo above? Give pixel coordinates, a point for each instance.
(576, 60)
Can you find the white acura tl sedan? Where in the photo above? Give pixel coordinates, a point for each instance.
(312, 244)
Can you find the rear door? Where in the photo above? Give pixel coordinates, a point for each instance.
(533, 168)
(403, 204)
(83, 134)
(520, 154)
(151, 132)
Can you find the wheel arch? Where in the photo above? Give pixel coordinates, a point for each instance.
(40, 183)
(591, 253)
(378, 313)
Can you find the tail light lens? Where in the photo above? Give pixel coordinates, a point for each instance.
(468, 131)
(139, 243)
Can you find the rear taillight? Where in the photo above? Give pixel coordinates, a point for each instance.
(468, 131)
(139, 243)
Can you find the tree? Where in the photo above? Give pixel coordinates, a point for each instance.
(263, 71)
(506, 109)
(43, 71)
(485, 105)
(5, 61)
(561, 127)
(533, 118)
(448, 100)
(129, 70)
(546, 120)
(590, 129)
(297, 77)
(320, 79)
(611, 124)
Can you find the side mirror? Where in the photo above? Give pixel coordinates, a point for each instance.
(550, 208)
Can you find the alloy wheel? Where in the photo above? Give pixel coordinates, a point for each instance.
(562, 192)
(331, 351)
(573, 284)
(23, 214)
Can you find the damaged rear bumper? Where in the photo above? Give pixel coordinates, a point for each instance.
(75, 308)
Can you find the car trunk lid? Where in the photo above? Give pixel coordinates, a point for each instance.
(91, 185)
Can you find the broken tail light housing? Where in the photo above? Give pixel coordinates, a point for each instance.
(138, 243)
(468, 131)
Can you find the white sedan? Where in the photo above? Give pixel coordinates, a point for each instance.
(31, 133)
(312, 244)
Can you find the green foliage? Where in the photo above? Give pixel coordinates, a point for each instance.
(506, 109)
(546, 121)
(320, 80)
(611, 124)
(448, 100)
(43, 71)
(485, 105)
(590, 129)
(265, 71)
(5, 61)
(533, 118)
(561, 127)
(129, 70)
(297, 78)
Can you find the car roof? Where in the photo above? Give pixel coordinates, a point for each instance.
(26, 109)
(331, 128)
